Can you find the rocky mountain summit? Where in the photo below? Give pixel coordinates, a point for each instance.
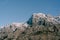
(39, 27)
(40, 18)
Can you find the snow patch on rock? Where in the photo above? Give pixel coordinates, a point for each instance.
(39, 15)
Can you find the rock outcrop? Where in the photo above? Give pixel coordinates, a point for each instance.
(39, 27)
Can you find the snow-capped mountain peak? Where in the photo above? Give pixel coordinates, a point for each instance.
(37, 26)
(39, 15)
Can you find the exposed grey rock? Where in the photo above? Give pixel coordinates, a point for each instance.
(39, 27)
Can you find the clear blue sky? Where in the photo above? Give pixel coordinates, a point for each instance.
(21, 10)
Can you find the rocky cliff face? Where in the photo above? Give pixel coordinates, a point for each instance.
(43, 19)
(39, 27)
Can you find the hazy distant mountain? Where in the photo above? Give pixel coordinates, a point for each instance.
(39, 27)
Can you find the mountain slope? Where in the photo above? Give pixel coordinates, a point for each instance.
(39, 27)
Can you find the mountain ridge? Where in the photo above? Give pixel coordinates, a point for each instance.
(42, 15)
(40, 26)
